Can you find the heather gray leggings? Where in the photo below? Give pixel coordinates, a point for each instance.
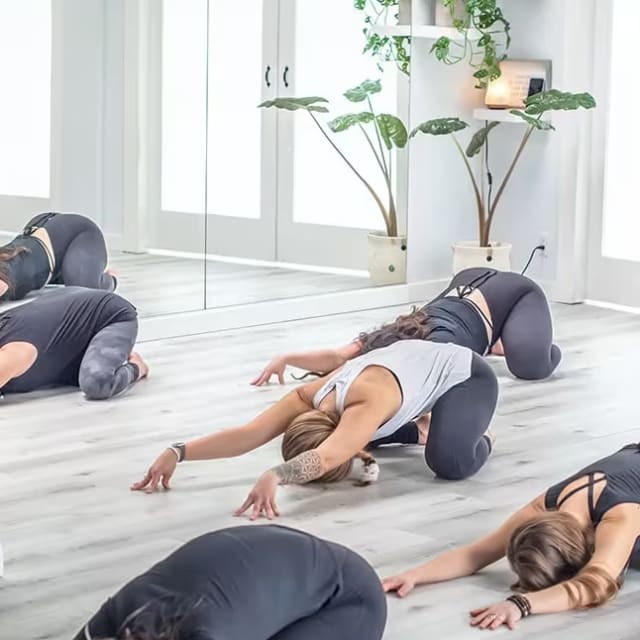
(104, 371)
(457, 445)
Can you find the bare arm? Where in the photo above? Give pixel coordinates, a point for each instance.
(615, 538)
(15, 359)
(466, 560)
(322, 361)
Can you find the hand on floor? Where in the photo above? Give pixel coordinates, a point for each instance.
(402, 584)
(159, 472)
(143, 367)
(275, 368)
(262, 497)
(493, 617)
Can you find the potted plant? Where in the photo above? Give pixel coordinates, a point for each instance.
(383, 134)
(486, 32)
(484, 251)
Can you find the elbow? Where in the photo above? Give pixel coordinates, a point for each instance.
(333, 468)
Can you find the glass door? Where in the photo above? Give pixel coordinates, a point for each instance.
(324, 210)
(241, 139)
(614, 238)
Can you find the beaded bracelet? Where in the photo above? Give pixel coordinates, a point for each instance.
(522, 603)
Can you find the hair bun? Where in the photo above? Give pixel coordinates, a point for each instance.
(364, 473)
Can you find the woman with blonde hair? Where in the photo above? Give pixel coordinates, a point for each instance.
(569, 548)
(328, 422)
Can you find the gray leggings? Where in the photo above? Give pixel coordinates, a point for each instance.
(79, 249)
(104, 371)
(457, 445)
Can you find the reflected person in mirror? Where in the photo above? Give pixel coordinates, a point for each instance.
(488, 311)
(78, 337)
(370, 399)
(54, 248)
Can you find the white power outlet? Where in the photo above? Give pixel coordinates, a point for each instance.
(544, 240)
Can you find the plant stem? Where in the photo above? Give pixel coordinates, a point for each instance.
(521, 148)
(479, 202)
(374, 195)
(393, 218)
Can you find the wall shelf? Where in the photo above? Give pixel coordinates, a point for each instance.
(500, 115)
(424, 31)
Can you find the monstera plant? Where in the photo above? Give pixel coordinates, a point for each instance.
(535, 108)
(381, 132)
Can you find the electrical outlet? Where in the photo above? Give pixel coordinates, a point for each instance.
(544, 240)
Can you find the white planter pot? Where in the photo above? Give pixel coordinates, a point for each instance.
(404, 11)
(416, 12)
(443, 15)
(387, 259)
(469, 254)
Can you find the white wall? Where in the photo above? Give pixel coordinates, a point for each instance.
(545, 191)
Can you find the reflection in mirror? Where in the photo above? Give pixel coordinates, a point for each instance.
(78, 137)
(302, 196)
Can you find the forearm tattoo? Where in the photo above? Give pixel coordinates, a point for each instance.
(304, 468)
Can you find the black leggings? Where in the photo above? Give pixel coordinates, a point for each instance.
(79, 250)
(457, 445)
(104, 371)
(520, 317)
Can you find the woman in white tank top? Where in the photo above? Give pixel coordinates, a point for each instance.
(329, 422)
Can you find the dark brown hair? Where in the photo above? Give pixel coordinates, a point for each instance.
(555, 548)
(8, 253)
(411, 326)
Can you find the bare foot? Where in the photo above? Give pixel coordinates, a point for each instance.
(497, 349)
(423, 423)
(136, 358)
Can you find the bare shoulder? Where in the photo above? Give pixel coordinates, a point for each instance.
(16, 358)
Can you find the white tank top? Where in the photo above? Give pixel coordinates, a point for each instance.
(424, 370)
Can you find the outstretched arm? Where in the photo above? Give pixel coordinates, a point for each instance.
(232, 442)
(464, 561)
(322, 361)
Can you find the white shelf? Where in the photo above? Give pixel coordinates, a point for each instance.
(500, 115)
(424, 31)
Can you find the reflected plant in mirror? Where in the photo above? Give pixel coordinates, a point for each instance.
(384, 47)
(533, 114)
(486, 37)
(383, 133)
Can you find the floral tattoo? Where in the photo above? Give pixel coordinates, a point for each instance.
(304, 468)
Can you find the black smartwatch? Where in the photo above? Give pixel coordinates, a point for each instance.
(180, 448)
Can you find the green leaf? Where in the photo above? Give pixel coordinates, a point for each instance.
(342, 123)
(440, 126)
(392, 131)
(363, 91)
(297, 104)
(554, 100)
(541, 125)
(479, 139)
(441, 47)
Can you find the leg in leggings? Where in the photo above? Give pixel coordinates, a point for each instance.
(104, 371)
(407, 434)
(527, 338)
(456, 446)
(358, 612)
(81, 252)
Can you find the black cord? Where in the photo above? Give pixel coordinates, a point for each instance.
(540, 247)
(489, 174)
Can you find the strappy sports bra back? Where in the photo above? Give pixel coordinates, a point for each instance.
(589, 485)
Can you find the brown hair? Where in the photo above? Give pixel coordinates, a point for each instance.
(411, 326)
(7, 253)
(555, 548)
(308, 431)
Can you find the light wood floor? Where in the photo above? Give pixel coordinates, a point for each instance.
(161, 284)
(73, 533)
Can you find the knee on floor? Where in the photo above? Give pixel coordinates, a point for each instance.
(448, 467)
(96, 385)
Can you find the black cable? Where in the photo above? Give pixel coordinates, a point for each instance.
(540, 247)
(489, 174)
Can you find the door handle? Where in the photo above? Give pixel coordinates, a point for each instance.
(267, 74)
(285, 76)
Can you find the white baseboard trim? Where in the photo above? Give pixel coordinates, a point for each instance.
(210, 257)
(261, 313)
(613, 307)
